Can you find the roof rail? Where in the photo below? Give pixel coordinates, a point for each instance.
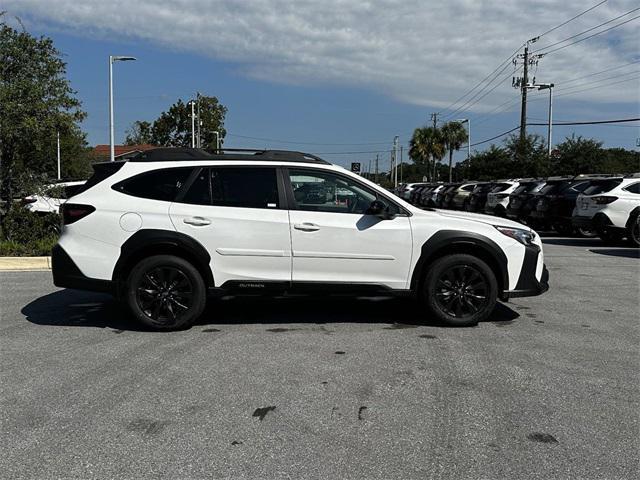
(168, 154)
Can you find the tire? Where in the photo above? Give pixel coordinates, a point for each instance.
(633, 231)
(563, 229)
(587, 232)
(609, 237)
(459, 306)
(165, 292)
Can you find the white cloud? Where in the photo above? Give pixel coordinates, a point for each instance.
(424, 53)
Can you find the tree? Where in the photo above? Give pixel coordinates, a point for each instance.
(453, 136)
(173, 127)
(139, 133)
(36, 102)
(426, 143)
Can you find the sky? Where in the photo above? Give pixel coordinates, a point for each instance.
(341, 78)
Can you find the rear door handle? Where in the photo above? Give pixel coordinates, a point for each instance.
(197, 221)
(306, 227)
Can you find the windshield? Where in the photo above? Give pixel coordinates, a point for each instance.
(500, 187)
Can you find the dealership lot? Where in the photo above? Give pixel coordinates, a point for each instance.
(328, 388)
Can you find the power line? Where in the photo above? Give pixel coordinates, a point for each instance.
(586, 31)
(304, 143)
(571, 80)
(507, 61)
(595, 122)
(570, 20)
(598, 81)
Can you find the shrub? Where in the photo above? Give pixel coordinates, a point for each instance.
(28, 233)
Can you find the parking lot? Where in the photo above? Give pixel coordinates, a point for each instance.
(329, 388)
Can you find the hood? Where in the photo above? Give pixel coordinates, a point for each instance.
(478, 217)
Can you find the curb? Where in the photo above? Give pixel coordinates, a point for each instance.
(24, 264)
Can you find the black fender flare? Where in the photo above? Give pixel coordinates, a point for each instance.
(632, 216)
(456, 241)
(151, 241)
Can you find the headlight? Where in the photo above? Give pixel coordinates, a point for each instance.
(525, 237)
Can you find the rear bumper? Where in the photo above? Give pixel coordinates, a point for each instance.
(66, 274)
(582, 222)
(528, 285)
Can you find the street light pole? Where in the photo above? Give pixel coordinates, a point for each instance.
(548, 86)
(113, 58)
(58, 155)
(193, 124)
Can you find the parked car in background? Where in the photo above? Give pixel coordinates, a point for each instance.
(522, 198)
(448, 196)
(408, 188)
(460, 196)
(429, 197)
(555, 203)
(414, 196)
(611, 206)
(498, 198)
(52, 196)
(478, 196)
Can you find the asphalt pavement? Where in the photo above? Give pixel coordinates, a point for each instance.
(328, 387)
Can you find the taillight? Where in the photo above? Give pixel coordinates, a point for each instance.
(603, 199)
(72, 212)
(28, 200)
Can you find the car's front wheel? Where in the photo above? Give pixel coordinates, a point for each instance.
(460, 290)
(165, 292)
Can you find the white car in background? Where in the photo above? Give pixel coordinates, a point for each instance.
(50, 199)
(498, 197)
(612, 207)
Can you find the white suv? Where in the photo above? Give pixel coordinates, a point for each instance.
(164, 229)
(498, 197)
(612, 207)
(54, 195)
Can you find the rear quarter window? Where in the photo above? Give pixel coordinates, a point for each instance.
(602, 186)
(163, 184)
(633, 188)
(500, 187)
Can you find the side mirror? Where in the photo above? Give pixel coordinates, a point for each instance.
(379, 209)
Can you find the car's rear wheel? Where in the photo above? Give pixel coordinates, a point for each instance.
(165, 292)
(608, 236)
(633, 231)
(459, 290)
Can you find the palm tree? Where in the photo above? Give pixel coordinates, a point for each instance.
(453, 136)
(426, 143)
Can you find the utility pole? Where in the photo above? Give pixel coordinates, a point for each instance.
(376, 179)
(434, 118)
(548, 86)
(395, 161)
(369, 171)
(198, 143)
(523, 83)
(193, 125)
(58, 155)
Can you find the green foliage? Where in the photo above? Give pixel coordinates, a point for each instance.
(173, 127)
(34, 248)
(139, 133)
(574, 156)
(426, 148)
(36, 102)
(23, 226)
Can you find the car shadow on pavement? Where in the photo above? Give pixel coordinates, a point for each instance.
(74, 308)
(618, 252)
(573, 242)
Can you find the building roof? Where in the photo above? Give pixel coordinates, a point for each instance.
(103, 150)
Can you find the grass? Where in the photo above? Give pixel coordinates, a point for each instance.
(35, 248)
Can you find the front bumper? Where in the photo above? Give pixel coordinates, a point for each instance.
(66, 274)
(528, 285)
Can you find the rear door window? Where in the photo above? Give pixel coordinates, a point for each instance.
(500, 187)
(240, 187)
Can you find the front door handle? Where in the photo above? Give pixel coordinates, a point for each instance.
(197, 221)
(306, 227)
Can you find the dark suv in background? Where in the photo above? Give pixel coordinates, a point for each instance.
(522, 199)
(478, 197)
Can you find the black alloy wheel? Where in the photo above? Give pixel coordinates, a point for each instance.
(461, 291)
(164, 293)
